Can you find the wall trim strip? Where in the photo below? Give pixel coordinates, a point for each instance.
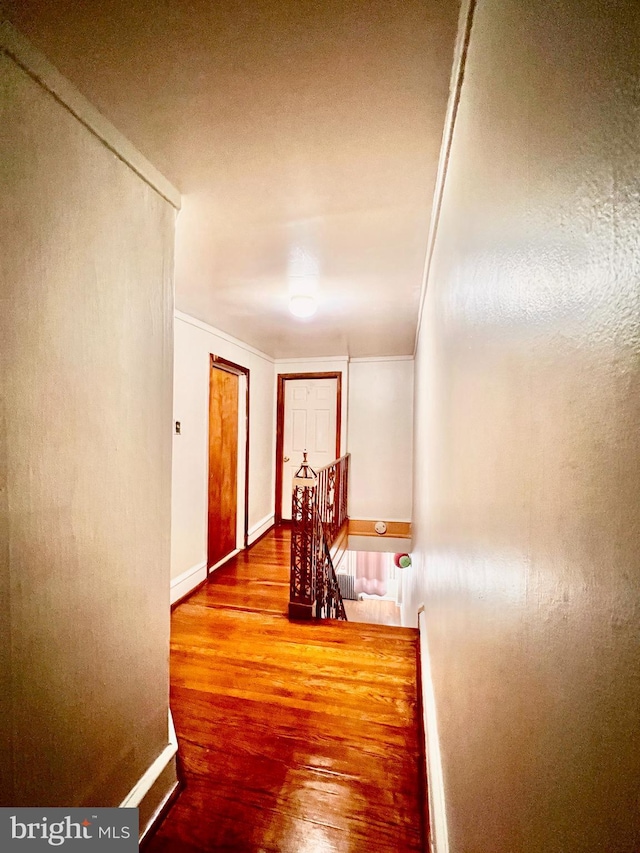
(184, 583)
(435, 780)
(24, 54)
(365, 527)
(224, 560)
(261, 527)
(465, 23)
(147, 780)
(373, 358)
(159, 813)
(206, 327)
(312, 359)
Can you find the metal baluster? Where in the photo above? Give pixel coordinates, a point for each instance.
(319, 509)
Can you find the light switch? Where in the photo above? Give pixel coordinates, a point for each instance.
(178, 428)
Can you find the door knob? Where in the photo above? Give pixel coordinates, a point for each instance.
(286, 459)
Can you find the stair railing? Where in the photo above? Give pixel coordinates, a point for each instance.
(318, 512)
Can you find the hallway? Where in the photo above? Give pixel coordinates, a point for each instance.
(293, 737)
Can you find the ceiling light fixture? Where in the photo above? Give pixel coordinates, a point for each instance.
(302, 306)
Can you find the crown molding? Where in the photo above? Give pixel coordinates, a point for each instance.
(206, 327)
(465, 23)
(27, 57)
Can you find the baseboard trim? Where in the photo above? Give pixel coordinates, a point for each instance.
(435, 800)
(366, 527)
(427, 840)
(257, 531)
(148, 779)
(224, 560)
(152, 791)
(188, 581)
(159, 815)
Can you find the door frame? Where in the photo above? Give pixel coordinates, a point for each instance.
(285, 377)
(238, 370)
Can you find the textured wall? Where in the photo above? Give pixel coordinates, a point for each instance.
(528, 439)
(380, 439)
(85, 443)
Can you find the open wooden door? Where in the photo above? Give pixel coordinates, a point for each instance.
(223, 464)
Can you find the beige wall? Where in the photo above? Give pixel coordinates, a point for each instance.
(85, 444)
(527, 436)
(381, 438)
(194, 343)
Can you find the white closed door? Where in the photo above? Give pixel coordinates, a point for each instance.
(310, 423)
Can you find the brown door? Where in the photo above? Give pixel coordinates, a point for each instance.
(223, 464)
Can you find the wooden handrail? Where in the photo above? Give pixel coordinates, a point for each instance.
(335, 462)
(318, 512)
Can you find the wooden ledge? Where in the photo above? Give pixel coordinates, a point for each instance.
(395, 529)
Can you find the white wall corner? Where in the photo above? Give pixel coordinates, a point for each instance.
(435, 780)
(184, 583)
(257, 530)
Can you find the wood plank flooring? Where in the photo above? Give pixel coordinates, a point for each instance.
(294, 737)
(373, 611)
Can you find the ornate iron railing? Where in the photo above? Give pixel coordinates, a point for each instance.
(333, 486)
(318, 512)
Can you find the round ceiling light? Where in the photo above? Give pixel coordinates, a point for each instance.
(302, 306)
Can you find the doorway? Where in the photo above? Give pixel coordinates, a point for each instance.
(308, 418)
(228, 493)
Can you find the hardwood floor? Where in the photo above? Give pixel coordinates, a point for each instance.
(294, 737)
(375, 612)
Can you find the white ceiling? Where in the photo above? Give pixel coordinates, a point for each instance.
(304, 136)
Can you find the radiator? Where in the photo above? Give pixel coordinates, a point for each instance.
(346, 584)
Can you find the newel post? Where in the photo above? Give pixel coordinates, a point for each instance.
(302, 590)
